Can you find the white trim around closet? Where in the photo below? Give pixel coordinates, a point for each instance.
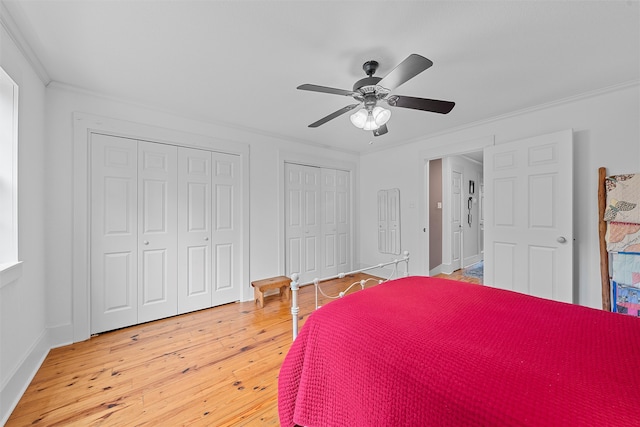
(85, 124)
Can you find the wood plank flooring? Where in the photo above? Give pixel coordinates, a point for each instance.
(215, 367)
(458, 275)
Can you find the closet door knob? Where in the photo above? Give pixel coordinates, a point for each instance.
(561, 239)
(146, 242)
(206, 239)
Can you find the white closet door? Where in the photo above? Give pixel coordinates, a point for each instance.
(157, 231)
(303, 225)
(456, 220)
(343, 221)
(329, 222)
(194, 230)
(227, 228)
(114, 233)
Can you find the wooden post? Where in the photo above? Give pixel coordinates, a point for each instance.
(602, 230)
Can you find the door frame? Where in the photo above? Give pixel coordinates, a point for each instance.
(83, 126)
(285, 156)
(425, 156)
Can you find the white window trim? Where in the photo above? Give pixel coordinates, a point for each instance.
(10, 267)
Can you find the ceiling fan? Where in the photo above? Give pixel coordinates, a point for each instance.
(370, 91)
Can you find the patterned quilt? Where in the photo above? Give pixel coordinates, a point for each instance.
(623, 213)
(623, 198)
(421, 351)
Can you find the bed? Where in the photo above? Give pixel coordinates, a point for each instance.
(423, 351)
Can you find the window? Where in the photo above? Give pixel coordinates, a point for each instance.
(9, 265)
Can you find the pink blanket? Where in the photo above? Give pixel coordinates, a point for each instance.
(420, 351)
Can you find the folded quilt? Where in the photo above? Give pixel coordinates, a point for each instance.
(623, 237)
(623, 198)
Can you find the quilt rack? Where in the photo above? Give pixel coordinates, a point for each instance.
(295, 285)
(619, 238)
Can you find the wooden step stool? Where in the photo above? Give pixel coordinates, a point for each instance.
(260, 286)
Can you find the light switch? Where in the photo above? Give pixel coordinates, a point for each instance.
(439, 205)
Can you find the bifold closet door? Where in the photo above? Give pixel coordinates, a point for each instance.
(226, 224)
(335, 221)
(166, 230)
(210, 231)
(303, 230)
(133, 232)
(343, 221)
(114, 233)
(194, 230)
(157, 231)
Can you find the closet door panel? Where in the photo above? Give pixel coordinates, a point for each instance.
(343, 221)
(194, 230)
(226, 227)
(114, 233)
(329, 223)
(157, 237)
(304, 240)
(294, 229)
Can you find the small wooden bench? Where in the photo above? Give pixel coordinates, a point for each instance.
(261, 286)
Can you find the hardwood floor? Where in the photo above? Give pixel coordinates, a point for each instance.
(215, 367)
(458, 275)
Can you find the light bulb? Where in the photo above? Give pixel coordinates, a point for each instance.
(370, 124)
(359, 118)
(381, 115)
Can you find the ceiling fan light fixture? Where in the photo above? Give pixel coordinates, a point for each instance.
(359, 118)
(370, 120)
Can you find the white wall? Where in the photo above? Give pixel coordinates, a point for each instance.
(36, 311)
(606, 133)
(266, 156)
(23, 338)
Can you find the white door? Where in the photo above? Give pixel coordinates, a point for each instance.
(302, 222)
(194, 230)
(393, 199)
(114, 233)
(456, 220)
(157, 231)
(383, 221)
(226, 223)
(329, 222)
(343, 221)
(529, 216)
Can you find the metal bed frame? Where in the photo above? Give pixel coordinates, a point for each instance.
(295, 285)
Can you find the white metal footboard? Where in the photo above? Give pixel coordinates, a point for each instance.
(295, 285)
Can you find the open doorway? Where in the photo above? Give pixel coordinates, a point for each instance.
(456, 222)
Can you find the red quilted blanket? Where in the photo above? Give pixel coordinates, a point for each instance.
(421, 351)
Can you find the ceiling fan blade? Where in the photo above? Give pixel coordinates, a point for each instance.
(325, 89)
(407, 69)
(381, 130)
(432, 105)
(333, 115)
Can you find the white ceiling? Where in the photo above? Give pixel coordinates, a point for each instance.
(238, 63)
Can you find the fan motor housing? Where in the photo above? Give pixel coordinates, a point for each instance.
(363, 83)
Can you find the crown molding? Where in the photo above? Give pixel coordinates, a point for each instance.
(8, 11)
(199, 118)
(563, 101)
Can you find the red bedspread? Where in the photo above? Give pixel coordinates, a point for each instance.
(420, 351)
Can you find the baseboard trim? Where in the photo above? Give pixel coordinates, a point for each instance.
(60, 335)
(17, 384)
